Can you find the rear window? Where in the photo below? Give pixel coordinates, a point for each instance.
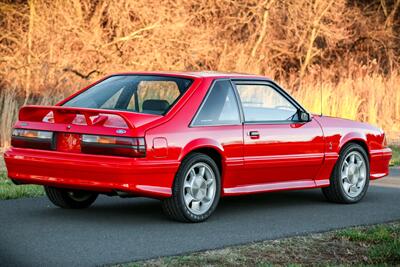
(144, 94)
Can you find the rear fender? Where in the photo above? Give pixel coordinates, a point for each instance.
(202, 143)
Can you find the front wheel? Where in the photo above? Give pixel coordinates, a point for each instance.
(196, 190)
(350, 179)
(69, 198)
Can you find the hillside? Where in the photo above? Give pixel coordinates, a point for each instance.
(349, 48)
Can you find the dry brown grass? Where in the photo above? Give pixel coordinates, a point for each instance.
(51, 48)
(372, 98)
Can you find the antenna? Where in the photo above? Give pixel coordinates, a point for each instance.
(320, 78)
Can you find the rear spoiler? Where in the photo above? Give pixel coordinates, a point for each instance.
(67, 114)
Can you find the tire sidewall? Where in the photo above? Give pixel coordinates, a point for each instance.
(346, 150)
(61, 198)
(179, 181)
(79, 204)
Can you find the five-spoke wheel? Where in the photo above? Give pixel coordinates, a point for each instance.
(353, 174)
(199, 188)
(350, 178)
(196, 190)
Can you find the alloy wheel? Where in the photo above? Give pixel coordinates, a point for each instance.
(199, 188)
(353, 174)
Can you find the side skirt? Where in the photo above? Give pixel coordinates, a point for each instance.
(270, 187)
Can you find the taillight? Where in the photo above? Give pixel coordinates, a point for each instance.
(113, 145)
(32, 139)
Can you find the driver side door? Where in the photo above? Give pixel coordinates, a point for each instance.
(280, 150)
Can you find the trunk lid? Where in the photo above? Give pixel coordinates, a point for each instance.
(68, 124)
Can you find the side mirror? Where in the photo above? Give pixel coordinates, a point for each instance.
(304, 116)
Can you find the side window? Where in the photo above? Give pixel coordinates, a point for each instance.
(264, 103)
(220, 106)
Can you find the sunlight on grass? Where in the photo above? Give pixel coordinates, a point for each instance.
(370, 99)
(395, 161)
(383, 242)
(8, 190)
(357, 246)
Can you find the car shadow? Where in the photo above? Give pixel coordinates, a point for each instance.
(142, 210)
(271, 201)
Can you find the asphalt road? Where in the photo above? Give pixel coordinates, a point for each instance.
(34, 233)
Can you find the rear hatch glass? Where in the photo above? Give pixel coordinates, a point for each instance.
(136, 93)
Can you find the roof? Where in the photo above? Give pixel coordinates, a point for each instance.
(198, 74)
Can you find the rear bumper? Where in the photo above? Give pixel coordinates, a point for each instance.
(152, 178)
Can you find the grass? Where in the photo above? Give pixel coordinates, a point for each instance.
(10, 191)
(395, 161)
(349, 51)
(369, 245)
(383, 242)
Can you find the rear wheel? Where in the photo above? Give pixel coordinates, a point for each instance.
(350, 179)
(196, 190)
(70, 199)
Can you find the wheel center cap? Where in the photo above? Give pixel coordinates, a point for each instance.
(199, 188)
(352, 169)
(352, 174)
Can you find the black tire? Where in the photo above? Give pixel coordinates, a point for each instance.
(175, 207)
(63, 198)
(335, 191)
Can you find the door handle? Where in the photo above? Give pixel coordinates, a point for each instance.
(254, 134)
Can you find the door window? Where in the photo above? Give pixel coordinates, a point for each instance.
(263, 103)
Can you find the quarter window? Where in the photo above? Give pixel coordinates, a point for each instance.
(220, 106)
(264, 103)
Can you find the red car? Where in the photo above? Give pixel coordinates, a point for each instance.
(189, 139)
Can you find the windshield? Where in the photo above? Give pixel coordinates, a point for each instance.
(137, 93)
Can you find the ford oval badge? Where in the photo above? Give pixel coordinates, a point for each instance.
(120, 131)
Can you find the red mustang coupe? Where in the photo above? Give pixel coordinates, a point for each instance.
(190, 139)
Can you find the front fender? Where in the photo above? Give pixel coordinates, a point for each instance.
(353, 136)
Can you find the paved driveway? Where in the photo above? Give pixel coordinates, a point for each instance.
(113, 230)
